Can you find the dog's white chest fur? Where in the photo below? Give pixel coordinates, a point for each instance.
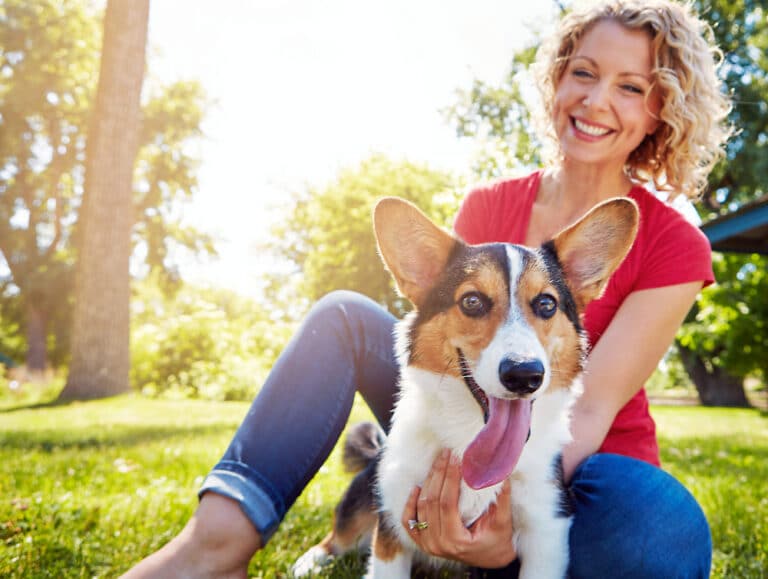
(440, 413)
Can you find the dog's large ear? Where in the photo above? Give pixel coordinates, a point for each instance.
(414, 249)
(591, 249)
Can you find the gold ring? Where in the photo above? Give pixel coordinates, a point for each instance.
(418, 525)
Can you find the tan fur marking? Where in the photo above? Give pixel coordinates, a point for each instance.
(438, 339)
(386, 545)
(557, 334)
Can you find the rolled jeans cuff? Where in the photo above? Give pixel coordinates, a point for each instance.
(257, 499)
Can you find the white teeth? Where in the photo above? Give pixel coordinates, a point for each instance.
(590, 129)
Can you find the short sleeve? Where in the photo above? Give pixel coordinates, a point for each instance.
(675, 251)
(499, 211)
(472, 215)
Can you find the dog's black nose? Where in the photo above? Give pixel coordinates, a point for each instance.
(521, 376)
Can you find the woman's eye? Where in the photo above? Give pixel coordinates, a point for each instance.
(582, 73)
(544, 306)
(632, 89)
(474, 304)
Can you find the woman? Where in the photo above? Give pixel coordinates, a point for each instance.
(631, 97)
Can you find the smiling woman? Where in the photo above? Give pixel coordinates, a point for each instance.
(605, 104)
(677, 73)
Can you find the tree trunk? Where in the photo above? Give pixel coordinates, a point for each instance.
(100, 333)
(715, 386)
(37, 338)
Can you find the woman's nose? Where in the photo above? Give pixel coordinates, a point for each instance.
(597, 97)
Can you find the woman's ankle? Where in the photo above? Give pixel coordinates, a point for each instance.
(218, 541)
(220, 524)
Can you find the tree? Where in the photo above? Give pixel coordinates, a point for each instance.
(47, 52)
(49, 55)
(329, 236)
(100, 339)
(725, 336)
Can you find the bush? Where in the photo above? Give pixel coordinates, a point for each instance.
(202, 343)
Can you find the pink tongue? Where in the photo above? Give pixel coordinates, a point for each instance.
(496, 449)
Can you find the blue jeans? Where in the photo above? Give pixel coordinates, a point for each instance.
(632, 519)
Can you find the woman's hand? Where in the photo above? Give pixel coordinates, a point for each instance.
(487, 543)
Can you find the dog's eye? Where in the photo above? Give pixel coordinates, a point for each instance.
(544, 306)
(474, 304)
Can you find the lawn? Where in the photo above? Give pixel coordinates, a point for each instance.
(87, 489)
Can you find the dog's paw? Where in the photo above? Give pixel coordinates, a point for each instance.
(311, 562)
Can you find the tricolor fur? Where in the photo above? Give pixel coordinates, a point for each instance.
(490, 364)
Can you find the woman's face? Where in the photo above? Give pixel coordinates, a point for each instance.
(604, 103)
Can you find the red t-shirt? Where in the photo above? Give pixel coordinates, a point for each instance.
(668, 250)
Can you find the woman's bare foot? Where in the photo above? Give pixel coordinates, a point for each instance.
(217, 542)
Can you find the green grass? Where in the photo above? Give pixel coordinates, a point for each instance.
(88, 489)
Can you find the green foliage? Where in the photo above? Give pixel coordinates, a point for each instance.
(166, 177)
(741, 31)
(328, 236)
(12, 344)
(728, 326)
(89, 489)
(499, 119)
(201, 343)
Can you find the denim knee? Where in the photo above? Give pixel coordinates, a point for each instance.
(344, 344)
(634, 520)
(344, 312)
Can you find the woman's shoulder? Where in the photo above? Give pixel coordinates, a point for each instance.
(670, 247)
(664, 217)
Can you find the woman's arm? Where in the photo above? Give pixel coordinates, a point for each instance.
(618, 366)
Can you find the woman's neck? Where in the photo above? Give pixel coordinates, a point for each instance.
(566, 193)
(576, 188)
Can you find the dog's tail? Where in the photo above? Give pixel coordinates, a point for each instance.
(363, 443)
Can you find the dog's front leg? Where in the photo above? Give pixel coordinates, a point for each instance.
(543, 548)
(390, 559)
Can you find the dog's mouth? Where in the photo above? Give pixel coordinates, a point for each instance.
(495, 450)
(477, 392)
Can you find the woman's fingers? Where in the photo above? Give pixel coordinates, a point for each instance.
(428, 503)
(432, 519)
(410, 519)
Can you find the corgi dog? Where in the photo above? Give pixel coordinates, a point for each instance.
(491, 358)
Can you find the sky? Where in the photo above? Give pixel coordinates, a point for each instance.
(301, 89)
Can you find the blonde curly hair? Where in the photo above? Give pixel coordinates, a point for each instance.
(692, 133)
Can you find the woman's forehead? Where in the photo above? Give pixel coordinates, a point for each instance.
(609, 43)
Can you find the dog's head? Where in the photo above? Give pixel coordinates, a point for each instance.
(502, 318)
